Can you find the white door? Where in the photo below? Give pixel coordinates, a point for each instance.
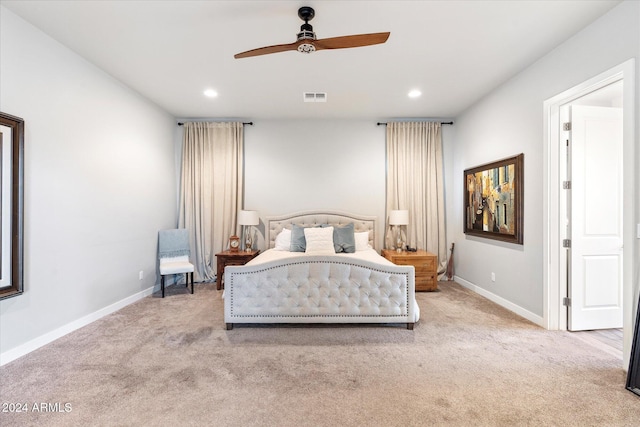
(595, 278)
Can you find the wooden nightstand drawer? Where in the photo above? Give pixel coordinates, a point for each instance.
(425, 264)
(426, 283)
(231, 261)
(231, 258)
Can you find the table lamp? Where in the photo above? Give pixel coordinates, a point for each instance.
(248, 219)
(398, 218)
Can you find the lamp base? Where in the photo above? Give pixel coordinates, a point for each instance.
(248, 239)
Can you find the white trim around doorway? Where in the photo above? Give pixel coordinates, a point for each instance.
(554, 313)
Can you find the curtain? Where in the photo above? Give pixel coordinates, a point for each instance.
(211, 190)
(415, 183)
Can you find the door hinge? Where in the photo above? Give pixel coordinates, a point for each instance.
(566, 185)
(566, 243)
(566, 126)
(566, 301)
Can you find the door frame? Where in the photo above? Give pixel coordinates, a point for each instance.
(554, 258)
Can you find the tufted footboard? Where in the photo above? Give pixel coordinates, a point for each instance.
(320, 289)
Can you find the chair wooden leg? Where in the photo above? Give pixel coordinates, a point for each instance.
(192, 282)
(162, 285)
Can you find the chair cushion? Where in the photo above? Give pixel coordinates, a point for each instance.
(175, 265)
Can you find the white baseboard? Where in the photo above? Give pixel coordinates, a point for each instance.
(532, 317)
(34, 344)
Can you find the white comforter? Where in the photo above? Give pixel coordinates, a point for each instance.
(273, 255)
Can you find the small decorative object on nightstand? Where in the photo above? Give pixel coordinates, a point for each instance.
(234, 243)
(425, 264)
(230, 257)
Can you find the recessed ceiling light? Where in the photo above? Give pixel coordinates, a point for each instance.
(414, 93)
(210, 93)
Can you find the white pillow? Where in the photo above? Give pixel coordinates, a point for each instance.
(319, 240)
(362, 241)
(283, 240)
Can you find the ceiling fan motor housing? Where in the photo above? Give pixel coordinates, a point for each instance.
(306, 32)
(306, 13)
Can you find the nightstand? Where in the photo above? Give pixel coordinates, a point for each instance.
(225, 258)
(425, 263)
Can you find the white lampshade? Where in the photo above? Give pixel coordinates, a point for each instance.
(248, 218)
(399, 217)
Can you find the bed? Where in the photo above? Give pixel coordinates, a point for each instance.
(285, 284)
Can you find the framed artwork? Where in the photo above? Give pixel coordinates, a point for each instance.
(493, 200)
(11, 205)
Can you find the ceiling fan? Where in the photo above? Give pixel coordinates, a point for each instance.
(308, 43)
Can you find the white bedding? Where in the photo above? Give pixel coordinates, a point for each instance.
(274, 255)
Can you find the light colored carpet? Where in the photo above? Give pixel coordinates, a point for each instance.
(171, 362)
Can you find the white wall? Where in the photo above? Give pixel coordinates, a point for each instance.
(292, 166)
(510, 121)
(99, 184)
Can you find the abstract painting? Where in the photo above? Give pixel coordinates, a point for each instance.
(493, 200)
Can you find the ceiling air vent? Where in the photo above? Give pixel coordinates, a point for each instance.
(314, 96)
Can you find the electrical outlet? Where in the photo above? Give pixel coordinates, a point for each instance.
(141, 275)
(493, 276)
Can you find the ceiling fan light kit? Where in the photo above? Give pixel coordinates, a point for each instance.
(307, 41)
(306, 48)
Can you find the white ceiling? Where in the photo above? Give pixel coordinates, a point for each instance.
(455, 52)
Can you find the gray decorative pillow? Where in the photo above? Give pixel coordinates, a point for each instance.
(344, 238)
(298, 242)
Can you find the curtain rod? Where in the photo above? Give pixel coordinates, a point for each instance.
(244, 123)
(442, 123)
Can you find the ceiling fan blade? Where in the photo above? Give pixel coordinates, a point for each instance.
(351, 41)
(267, 50)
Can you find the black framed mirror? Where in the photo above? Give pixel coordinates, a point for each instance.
(633, 376)
(11, 205)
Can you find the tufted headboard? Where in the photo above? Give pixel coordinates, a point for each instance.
(275, 224)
